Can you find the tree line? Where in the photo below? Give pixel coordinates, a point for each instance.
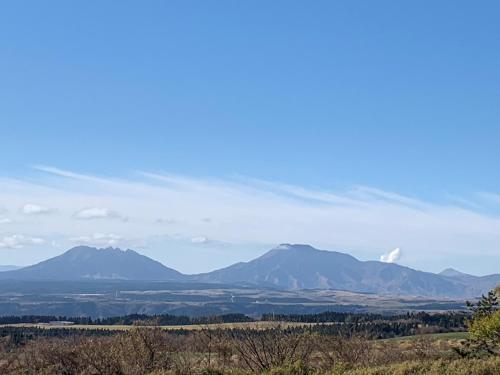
(445, 320)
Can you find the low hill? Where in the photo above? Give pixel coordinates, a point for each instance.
(451, 272)
(475, 285)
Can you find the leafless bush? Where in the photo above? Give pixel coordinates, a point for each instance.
(146, 349)
(139, 351)
(58, 357)
(337, 350)
(270, 348)
(102, 356)
(215, 346)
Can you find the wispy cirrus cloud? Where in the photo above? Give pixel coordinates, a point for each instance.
(360, 220)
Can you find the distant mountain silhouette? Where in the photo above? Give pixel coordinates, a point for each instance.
(290, 267)
(304, 267)
(451, 272)
(8, 268)
(475, 285)
(84, 262)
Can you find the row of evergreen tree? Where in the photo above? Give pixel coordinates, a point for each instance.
(445, 320)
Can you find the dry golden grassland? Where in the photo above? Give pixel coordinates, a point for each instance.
(261, 325)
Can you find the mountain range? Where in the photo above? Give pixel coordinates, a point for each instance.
(287, 267)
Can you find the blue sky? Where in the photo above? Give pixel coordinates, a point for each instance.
(324, 96)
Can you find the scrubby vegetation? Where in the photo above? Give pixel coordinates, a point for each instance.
(274, 351)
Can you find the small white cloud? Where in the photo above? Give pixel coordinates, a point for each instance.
(99, 239)
(391, 257)
(34, 209)
(204, 241)
(96, 213)
(18, 241)
(200, 240)
(5, 221)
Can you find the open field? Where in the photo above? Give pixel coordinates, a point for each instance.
(188, 327)
(432, 336)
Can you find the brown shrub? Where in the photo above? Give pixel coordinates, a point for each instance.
(271, 348)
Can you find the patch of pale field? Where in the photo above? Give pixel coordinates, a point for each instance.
(192, 327)
(448, 336)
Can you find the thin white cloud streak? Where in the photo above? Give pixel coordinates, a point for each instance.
(251, 211)
(62, 173)
(370, 194)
